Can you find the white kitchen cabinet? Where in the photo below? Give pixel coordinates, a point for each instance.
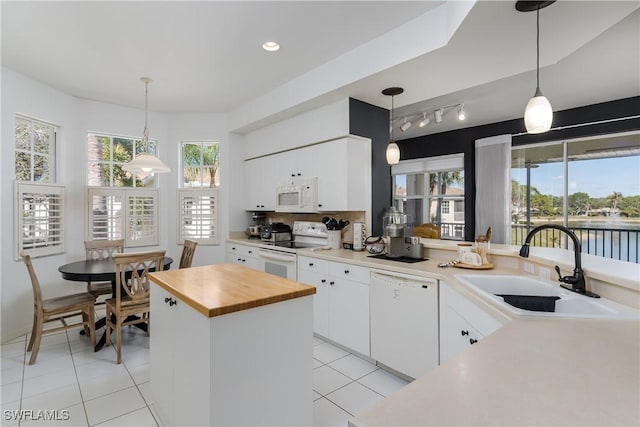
(462, 323)
(244, 255)
(172, 344)
(341, 302)
(342, 166)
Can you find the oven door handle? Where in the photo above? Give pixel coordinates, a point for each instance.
(277, 257)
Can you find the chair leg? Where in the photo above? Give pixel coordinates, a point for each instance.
(107, 325)
(119, 340)
(36, 342)
(85, 322)
(92, 325)
(34, 329)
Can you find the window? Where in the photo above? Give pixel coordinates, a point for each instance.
(39, 202)
(124, 214)
(121, 205)
(432, 191)
(598, 197)
(108, 153)
(200, 161)
(35, 146)
(198, 215)
(198, 198)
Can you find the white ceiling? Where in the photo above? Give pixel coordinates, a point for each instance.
(206, 56)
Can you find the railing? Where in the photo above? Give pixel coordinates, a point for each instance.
(452, 231)
(615, 243)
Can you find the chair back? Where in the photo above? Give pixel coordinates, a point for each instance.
(132, 276)
(35, 283)
(187, 253)
(103, 249)
(428, 231)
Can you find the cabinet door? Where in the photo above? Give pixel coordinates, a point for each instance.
(161, 356)
(349, 314)
(457, 334)
(320, 299)
(262, 178)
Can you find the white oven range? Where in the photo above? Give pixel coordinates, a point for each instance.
(280, 257)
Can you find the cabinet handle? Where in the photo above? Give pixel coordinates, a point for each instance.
(233, 249)
(323, 281)
(244, 260)
(171, 301)
(293, 174)
(239, 259)
(299, 174)
(250, 252)
(472, 340)
(262, 206)
(332, 283)
(319, 205)
(310, 264)
(257, 206)
(346, 272)
(463, 333)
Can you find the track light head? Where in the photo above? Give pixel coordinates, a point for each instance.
(406, 125)
(425, 120)
(438, 115)
(462, 116)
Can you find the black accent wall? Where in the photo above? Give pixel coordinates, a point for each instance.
(362, 116)
(372, 122)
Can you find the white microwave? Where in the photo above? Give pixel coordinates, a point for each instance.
(297, 195)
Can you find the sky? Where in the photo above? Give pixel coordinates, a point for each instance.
(597, 177)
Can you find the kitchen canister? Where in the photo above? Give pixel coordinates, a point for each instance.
(334, 238)
(359, 234)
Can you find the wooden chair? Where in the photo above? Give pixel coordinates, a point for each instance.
(187, 253)
(101, 249)
(131, 304)
(57, 309)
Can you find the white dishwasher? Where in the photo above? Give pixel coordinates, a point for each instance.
(404, 322)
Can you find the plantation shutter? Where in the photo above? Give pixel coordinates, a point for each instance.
(198, 215)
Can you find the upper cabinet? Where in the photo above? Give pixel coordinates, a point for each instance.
(343, 168)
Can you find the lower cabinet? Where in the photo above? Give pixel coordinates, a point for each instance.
(341, 302)
(244, 255)
(462, 323)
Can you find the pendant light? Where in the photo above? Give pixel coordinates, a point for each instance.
(538, 115)
(146, 163)
(393, 151)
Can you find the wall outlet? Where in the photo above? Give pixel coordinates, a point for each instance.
(545, 273)
(529, 267)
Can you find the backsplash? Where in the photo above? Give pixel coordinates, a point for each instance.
(289, 218)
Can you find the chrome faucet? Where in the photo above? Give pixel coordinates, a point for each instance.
(576, 282)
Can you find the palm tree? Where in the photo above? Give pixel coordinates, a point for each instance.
(206, 155)
(615, 198)
(446, 180)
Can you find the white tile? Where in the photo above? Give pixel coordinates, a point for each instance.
(99, 368)
(140, 373)
(353, 366)
(99, 386)
(12, 362)
(58, 398)
(317, 340)
(327, 352)
(152, 408)
(383, 382)
(354, 398)
(49, 366)
(12, 349)
(316, 395)
(326, 413)
(48, 382)
(70, 416)
(10, 392)
(317, 363)
(52, 351)
(135, 356)
(9, 376)
(145, 389)
(21, 338)
(114, 405)
(82, 342)
(140, 418)
(326, 380)
(106, 354)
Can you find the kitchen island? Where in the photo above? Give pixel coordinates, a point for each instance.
(231, 346)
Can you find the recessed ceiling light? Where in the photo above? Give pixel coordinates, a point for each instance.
(270, 46)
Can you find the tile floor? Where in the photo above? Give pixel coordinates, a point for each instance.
(90, 389)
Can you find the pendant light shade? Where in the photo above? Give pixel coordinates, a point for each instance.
(146, 163)
(538, 115)
(393, 151)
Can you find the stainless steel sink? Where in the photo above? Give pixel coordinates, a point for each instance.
(569, 304)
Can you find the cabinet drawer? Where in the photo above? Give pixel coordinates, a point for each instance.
(349, 272)
(313, 264)
(242, 250)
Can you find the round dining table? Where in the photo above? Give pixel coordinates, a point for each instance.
(103, 270)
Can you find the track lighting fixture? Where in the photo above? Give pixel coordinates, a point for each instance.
(438, 115)
(538, 115)
(425, 120)
(393, 151)
(462, 116)
(406, 125)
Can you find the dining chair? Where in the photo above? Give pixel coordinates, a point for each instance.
(57, 309)
(97, 250)
(131, 303)
(188, 250)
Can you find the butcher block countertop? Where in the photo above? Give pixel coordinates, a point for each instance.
(214, 290)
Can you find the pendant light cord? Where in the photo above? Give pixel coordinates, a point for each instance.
(391, 123)
(538, 48)
(145, 132)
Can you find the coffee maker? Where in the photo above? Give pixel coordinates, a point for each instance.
(394, 223)
(254, 231)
